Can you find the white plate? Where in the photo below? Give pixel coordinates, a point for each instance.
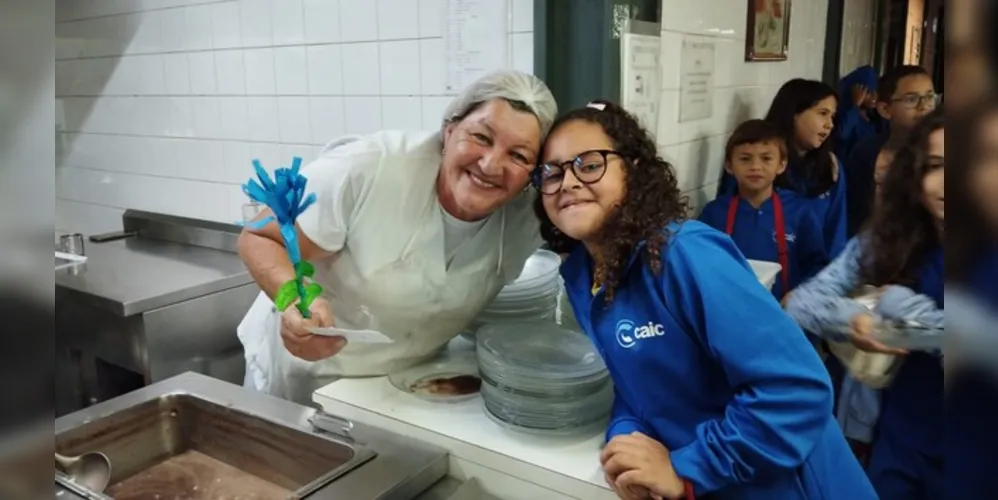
(354, 336)
(425, 381)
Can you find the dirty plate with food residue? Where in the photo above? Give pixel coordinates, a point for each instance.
(446, 379)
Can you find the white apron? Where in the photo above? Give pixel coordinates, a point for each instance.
(391, 276)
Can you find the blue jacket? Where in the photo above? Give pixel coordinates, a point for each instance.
(861, 166)
(704, 360)
(755, 234)
(829, 207)
(822, 306)
(850, 126)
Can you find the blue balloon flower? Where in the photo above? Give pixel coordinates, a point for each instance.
(285, 197)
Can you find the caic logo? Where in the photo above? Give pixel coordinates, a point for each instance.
(628, 333)
(791, 238)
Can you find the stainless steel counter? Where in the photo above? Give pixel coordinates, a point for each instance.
(144, 272)
(165, 300)
(135, 275)
(401, 469)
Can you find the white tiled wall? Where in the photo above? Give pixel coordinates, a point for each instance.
(161, 104)
(743, 90)
(858, 34)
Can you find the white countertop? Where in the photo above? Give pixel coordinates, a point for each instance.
(569, 466)
(510, 465)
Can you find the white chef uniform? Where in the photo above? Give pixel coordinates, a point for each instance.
(394, 270)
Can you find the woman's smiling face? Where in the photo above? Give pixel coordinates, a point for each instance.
(488, 157)
(578, 209)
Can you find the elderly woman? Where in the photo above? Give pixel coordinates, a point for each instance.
(413, 234)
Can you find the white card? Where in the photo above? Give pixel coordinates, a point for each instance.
(353, 336)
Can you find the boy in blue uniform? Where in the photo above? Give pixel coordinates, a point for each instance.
(906, 95)
(804, 112)
(766, 223)
(718, 392)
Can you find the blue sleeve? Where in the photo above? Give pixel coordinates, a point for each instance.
(810, 245)
(623, 421)
(837, 217)
(822, 304)
(712, 216)
(902, 303)
(783, 399)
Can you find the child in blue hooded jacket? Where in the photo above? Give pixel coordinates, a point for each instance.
(767, 224)
(856, 118)
(718, 392)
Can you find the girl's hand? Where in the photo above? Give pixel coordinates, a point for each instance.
(862, 326)
(859, 95)
(786, 299)
(637, 462)
(632, 493)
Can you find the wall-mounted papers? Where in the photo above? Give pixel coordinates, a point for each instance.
(696, 81)
(475, 40)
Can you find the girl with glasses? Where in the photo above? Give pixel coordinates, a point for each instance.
(718, 392)
(906, 95)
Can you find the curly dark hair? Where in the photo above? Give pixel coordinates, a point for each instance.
(651, 200)
(901, 231)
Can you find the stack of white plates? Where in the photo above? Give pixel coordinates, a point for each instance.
(539, 377)
(532, 297)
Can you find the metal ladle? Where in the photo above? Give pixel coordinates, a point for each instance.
(91, 470)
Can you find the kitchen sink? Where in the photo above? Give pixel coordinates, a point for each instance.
(183, 446)
(194, 437)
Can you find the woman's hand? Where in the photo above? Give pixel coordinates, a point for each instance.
(862, 326)
(302, 343)
(640, 467)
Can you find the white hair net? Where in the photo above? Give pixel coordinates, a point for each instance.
(506, 84)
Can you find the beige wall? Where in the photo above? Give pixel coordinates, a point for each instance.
(742, 90)
(166, 101)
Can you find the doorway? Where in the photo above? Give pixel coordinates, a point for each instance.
(577, 45)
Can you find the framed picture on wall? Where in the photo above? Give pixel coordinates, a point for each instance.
(767, 37)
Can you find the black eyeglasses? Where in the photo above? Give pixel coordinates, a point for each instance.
(589, 167)
(913, 101)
